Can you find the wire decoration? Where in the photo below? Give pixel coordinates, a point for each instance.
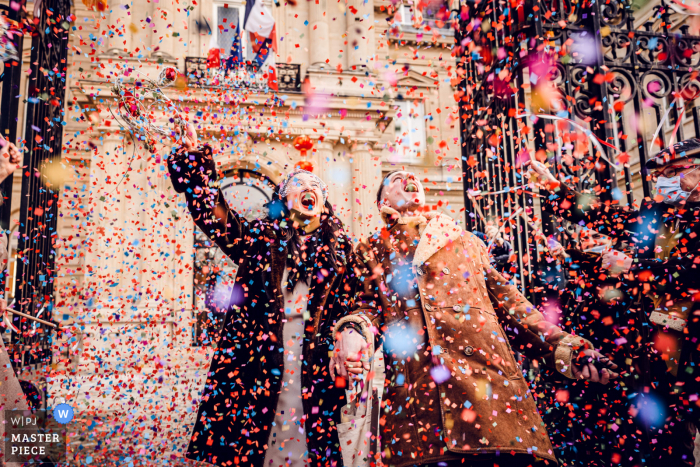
(139, 99)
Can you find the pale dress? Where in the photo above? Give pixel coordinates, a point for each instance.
(287, 441)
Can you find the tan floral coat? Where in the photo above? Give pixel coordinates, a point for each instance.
(445, 316)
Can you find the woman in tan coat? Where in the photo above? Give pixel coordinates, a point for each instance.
(453, 392)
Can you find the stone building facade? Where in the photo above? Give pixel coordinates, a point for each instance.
(132, 273)
(129, 275)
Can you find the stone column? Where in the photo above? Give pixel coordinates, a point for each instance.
(340, 185)
(358, 33)
(182, 271)
(103, 259)
(366, 177)
(319, 44)
(162, 34)
(182, 43)
(132, 199)
(119, 21)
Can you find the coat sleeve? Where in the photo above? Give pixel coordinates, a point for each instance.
(670, 275)
(368, 298)
(191, 173)
(531, 333)
(588, 210)
(501, 256)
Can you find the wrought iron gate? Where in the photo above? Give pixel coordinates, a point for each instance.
(39, 195)
(582, 61)
(9, 110)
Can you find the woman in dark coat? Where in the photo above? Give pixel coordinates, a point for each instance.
(268, 398)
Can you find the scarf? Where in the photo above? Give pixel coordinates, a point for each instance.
(307, 254)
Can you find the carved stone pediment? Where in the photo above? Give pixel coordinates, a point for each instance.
(413, 78)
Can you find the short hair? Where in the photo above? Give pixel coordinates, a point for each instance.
(381, 185)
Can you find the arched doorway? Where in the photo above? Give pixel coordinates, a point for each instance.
(246, 192)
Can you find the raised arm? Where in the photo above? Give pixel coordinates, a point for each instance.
(191, 172)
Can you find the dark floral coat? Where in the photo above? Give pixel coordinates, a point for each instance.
(243, 382)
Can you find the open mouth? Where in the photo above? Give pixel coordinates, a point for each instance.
(308, 200)
(411, 187)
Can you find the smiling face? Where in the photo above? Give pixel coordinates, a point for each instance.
(402, 191)
(304, 198)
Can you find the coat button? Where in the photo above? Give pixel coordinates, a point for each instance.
(446, 270)
(469, 351)
(457, 308)
(428, 307)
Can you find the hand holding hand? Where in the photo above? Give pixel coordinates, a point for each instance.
(616, 261)
(350, 356)
(593, 366)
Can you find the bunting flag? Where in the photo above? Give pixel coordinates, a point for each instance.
(235, 58)
(214, 58)
(272, 77)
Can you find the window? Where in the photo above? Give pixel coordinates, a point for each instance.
(407, 14)
(435, 14)
(228, 23)
(246, 192)
(410, 130)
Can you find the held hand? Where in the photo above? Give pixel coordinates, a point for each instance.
(592, 366)
(493, 235)
(15, 155)
(616, 261)
(541, 175)
(350, 356)
(556, 249)
(189, 140)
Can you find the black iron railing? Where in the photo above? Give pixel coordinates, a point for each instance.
(582, 61)
(245, 76)
(40, 189)
(9, 103)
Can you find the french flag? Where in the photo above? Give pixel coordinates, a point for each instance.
(260, 25)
